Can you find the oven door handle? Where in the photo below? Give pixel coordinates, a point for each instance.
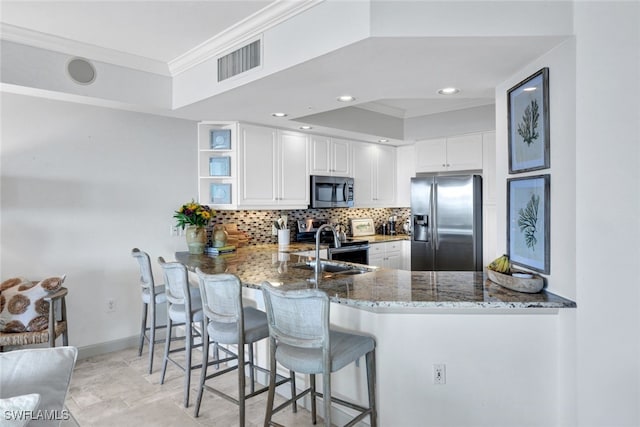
(348, 249)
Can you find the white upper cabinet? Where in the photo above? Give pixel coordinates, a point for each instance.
(330, 156)
(273, 168)
(293, 166)
(457, 153)
(374, 174)
(217, 164)
(405, 170)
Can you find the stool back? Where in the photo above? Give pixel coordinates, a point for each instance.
(298, 318)
(176, 279)
(146, 276)
(221, 296)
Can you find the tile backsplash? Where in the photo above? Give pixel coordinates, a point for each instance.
(257, 224)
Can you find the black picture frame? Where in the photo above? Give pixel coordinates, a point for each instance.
(529, 133)
(220, 139)
(528, 222)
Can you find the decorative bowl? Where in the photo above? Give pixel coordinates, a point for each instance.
(528, 285)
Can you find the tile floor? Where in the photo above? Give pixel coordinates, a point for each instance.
(115, 390)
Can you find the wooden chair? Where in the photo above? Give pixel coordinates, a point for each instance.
(57, 325)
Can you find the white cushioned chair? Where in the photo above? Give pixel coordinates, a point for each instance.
(42, 371)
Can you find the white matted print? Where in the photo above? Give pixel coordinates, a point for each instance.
(528, 227)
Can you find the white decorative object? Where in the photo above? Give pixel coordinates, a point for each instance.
(283, 237)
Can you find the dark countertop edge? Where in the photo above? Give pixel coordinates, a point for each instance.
(442, 306)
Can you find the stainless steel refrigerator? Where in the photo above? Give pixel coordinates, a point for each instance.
(446, 215)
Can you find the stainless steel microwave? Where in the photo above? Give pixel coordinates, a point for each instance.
(331, 192)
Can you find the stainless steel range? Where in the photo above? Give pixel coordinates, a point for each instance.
(350, 250)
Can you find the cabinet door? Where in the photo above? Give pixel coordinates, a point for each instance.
(431, 155)
(320, 155)
(258, 166)
(385, 176)
(293, 168)
(464, 152)
(363, 163)
(405, 170)
(376, 254)
(340, 157)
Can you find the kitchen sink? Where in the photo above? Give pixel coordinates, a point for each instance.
(334, 268)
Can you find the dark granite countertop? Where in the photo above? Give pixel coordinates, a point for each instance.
(378, 290)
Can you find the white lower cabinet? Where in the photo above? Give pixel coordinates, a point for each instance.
(386, 254)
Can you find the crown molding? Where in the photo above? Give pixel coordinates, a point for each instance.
(40, 40)
(250, 27)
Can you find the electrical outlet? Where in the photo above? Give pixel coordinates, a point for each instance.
(439, 373)
(111, 305)
(174, 230)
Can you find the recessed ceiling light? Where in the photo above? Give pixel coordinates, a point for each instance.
(448, 91)
(305, 127)
(383, 140)
(279, 114)
(346, 98)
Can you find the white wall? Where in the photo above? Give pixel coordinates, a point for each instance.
(32, 67)
(82, 186)
(595, 205)
(562, 107)
(608, 213)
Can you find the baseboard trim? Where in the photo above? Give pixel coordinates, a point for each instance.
(107, 347)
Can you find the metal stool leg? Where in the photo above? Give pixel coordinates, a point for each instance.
(167, 345)
(272, 382)
(152, 335)
(187, 365)
(371, 386)
(143, 328)
(203, 371)
(312, 380)
(326, 398)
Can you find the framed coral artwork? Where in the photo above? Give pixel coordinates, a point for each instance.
(528, 229)
(528, 121)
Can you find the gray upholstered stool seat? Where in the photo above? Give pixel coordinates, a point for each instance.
(149, 312)
(302, 341)
(160, 295)
(229, 322)
(255, 328)
(345, 348)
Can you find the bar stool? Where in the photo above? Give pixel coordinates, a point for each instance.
(229, 322)
(184, 307)
(149, 288)
(301, 340)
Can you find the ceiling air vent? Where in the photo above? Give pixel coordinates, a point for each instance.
(239, 61)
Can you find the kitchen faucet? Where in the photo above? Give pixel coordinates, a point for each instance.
(336, 242)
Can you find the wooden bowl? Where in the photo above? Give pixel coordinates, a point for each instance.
(530, 286)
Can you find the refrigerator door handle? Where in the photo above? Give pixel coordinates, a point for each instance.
(434, 220)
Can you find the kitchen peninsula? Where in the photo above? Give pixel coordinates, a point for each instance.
(419, 319)
(379, 290)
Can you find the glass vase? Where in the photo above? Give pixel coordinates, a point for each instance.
(196, 239)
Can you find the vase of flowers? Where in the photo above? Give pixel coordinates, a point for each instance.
(194, 217)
